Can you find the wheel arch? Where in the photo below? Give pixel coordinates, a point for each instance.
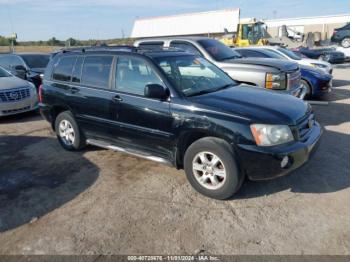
(55, 111)
(188, 138)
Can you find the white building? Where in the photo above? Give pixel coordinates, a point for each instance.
(203, 23)
(323, 24)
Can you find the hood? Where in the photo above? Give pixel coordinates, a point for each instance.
(279, 64)
(316, 72)
(315, 61)
(257, 104)
(12, 82)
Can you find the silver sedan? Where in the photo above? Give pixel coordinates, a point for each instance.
(16, 95)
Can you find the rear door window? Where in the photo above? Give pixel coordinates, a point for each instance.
(96, 71)
(187, 47)
(63, 69)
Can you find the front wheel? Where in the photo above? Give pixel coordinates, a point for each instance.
(212, 169)
(306, 86)
(345, 42)
(68, 132)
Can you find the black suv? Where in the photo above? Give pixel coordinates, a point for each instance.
(342, 36)
(28, 66)
(177, 108)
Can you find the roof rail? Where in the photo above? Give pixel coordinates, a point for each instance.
(98, 48)
(127, 48)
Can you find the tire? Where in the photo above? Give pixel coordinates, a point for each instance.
(70, 138)
(308, 89)
(345, 42)
(201, 174)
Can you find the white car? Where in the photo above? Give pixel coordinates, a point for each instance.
(16, 95)
(290, 55)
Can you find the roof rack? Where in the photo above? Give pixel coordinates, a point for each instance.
(126, 48)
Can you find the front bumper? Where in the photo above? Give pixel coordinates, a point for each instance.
(298, 92)
(323, 87)
(25, 105)
(262, 163)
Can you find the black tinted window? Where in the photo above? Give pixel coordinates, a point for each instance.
(251, 53)
(5, 61)
(76, 75)
(187, 47)
(63, 69)
(96, 71)
(36, 61)
(152, 45)
(218, 50)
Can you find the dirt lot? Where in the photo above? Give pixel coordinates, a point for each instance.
(102, 202)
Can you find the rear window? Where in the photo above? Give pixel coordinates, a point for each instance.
(152, 45)
(36, 61)
(63, 69)
(96, 71)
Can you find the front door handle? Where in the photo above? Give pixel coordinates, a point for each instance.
(117, 99)
(74, 90)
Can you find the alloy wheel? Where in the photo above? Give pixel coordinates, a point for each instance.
(209, 170)
(66, 132)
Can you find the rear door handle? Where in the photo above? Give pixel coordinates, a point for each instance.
(74, 90)
(117, 98)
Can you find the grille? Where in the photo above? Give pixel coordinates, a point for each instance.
(14, 95)
(16, 110)
(305, 125)
(294, 79)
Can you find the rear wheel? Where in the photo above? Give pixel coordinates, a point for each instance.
(345, 42)
(325, 57)
(306, 86)
(68, 132)
(212, 169)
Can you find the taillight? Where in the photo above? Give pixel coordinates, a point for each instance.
(40, 94)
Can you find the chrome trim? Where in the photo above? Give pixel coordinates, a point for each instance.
(105, 145)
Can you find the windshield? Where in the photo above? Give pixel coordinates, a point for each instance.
(289, 53)
(274, 54)
(218, 50)
(4, 73)
(194, 75)
(36, 61)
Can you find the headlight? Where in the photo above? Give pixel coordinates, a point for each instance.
(271, 135)
(319, 66)
(275, 81)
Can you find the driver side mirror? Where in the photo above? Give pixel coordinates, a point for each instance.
(21, 71)
(156, 91)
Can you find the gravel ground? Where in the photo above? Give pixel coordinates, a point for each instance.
(101, 202)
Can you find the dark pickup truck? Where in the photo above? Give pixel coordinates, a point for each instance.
(177, 108)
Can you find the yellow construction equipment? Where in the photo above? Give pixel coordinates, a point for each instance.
(248, 33)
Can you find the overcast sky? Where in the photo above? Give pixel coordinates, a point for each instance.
(103, 19)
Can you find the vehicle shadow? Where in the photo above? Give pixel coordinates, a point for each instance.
(343, 66)
(21, 118)
(37, 176)
(340, 83)
(327, 171)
